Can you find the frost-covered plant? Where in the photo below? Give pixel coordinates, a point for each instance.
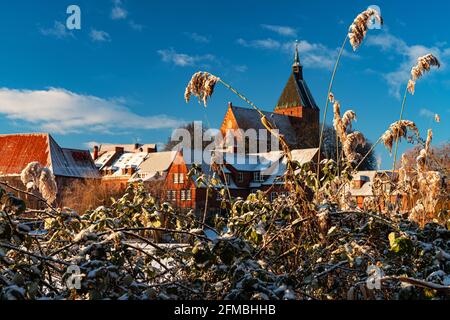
(40, 179)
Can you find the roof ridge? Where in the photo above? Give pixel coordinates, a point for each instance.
(25, 134)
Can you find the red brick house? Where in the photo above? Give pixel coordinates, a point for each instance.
(68, 165)
(296, 115)
(172, 168)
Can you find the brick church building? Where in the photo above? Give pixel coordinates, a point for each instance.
(296, 115)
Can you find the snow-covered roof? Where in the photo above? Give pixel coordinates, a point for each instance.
(104, 159)
(130, 160)
(158, 162)
(74, 163)
(127, 160)
(304, 155)
(366, 189)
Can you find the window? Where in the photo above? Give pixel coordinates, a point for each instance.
(174, 195)
(227, 179)
(168, 195)
(240, 177)
(143, 175)
(257, 176)
(178, 178)
(188, 195)
(273, 196)
(183, 195)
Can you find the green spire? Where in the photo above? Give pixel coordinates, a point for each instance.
(296, 57)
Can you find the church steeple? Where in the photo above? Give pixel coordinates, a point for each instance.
(297, 68)
(296, 95)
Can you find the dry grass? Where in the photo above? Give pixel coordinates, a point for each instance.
(87, 195)
(423, 65)
(397, 131)
(202, 86)
(349, 141)
(358, 29)
(423, 188)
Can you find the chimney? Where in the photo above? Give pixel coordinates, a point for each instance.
(119, 149)
(151, 150)
(95, 153)
(358, 182)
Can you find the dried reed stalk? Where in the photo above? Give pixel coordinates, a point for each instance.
(430, 184)
(351, 143)
(356, 35)
(423, 65)
(342, 125)
(397, 131)
(202, 86)
(358, 30)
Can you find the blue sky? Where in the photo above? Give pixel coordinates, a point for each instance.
(121, 78)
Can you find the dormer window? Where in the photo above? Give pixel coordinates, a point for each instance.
(257, 176)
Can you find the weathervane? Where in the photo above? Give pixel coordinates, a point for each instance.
(296, 57)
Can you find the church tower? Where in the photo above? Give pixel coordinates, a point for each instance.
(297, 102)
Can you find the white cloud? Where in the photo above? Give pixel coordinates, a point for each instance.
(58, 31)
(312, 55)
(260, 44)
(281, 30)
(427, 113)
(100, 36)
(197, 37)
(91, 144)
(184, 60)
(136, 26)
(241, 68)
(118, 12)
(398, 78)
(63, 111)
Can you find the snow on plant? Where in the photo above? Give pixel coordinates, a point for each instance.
(38, 178)
(397, 131)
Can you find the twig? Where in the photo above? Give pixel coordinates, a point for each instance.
(334, 267)
(160, 229)
(150, 243)
(11, 247)
(419, 283)
(330, 87)
(397, 137)
(32, 195)
(148, 254)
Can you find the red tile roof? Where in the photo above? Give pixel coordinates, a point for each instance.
(18, 150)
